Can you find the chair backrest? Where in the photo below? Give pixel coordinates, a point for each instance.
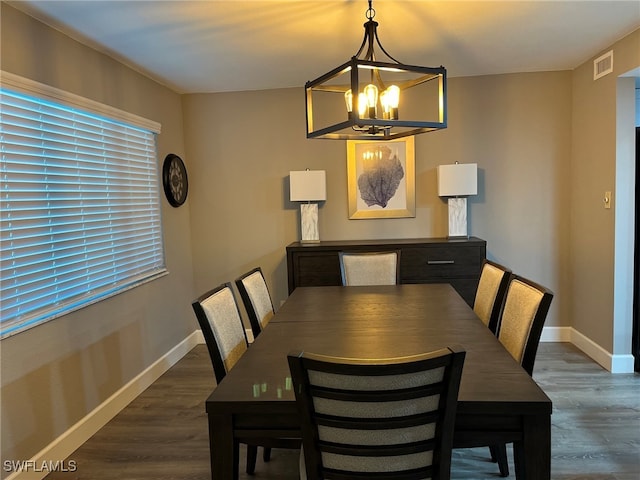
(492, 287)
(370, 268)
(256, 299)
(222, 328)
(363, 417)
(525, 309)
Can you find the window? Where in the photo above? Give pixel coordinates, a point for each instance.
(79, 203)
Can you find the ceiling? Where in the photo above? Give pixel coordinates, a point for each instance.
(217, 46)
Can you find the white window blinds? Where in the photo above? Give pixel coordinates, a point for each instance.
(80, 209)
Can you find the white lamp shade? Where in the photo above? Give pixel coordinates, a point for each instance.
(458, 179)
(307, 186)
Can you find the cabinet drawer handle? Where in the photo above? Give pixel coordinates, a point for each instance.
(440, 262)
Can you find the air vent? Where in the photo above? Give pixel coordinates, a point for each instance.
(603, 65)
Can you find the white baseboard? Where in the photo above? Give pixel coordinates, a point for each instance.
(611, 362)
(556, 334)
(69, 441)
(608, 361)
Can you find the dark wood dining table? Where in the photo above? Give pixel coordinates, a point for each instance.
(498, 401)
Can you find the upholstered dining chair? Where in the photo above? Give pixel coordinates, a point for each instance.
(370, 268)
(525, 310)
(385, 418)
(256, 299)
(222, 328)
(225, 337)
(492, 287)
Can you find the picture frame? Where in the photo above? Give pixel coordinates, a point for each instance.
(381, 178)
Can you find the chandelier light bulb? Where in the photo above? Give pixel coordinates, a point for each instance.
(371, 94)
(393, 93)
(390, 99)
(371, 91)
(348, 99)
(362, 104)
(386, 108)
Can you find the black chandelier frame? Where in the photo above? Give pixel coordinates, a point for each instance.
(357, 127)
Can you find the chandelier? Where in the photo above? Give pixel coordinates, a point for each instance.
(366, 98)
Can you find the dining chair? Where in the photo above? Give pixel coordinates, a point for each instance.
(370, 268)
(219, 318)
(256, 299)
(377, 418)
(492, 287)
(222, 328)
(488, 302)
(525, 310)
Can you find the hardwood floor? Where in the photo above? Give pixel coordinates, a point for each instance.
(162, 435)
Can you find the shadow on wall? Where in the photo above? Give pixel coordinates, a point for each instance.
(57, 390)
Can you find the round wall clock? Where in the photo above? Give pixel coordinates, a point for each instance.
(174, 180)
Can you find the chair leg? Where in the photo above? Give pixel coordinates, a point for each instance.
(266, 455)
(499, 454)
(252, 455)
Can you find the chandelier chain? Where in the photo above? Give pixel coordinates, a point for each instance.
(370, 12)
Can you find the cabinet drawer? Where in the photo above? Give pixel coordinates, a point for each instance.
(431, 263)
(316, 269)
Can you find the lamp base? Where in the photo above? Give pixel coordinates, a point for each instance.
(309, 223)
(458, 217)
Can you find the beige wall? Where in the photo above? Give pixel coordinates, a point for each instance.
(544, 144)
(54, 374)
(516, 127)
(593, 171)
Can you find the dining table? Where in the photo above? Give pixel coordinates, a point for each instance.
(498, 401)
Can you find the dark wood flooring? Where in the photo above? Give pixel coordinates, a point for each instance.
(162, 435)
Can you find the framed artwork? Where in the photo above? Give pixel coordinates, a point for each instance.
(381, 178)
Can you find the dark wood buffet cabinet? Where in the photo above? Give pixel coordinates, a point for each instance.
(422, 260)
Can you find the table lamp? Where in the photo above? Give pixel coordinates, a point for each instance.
(308, 186)
(456, 182)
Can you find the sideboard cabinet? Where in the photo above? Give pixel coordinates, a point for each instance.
(422, 260)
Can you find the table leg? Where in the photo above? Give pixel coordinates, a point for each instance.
(532, 455)
(223, 448)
